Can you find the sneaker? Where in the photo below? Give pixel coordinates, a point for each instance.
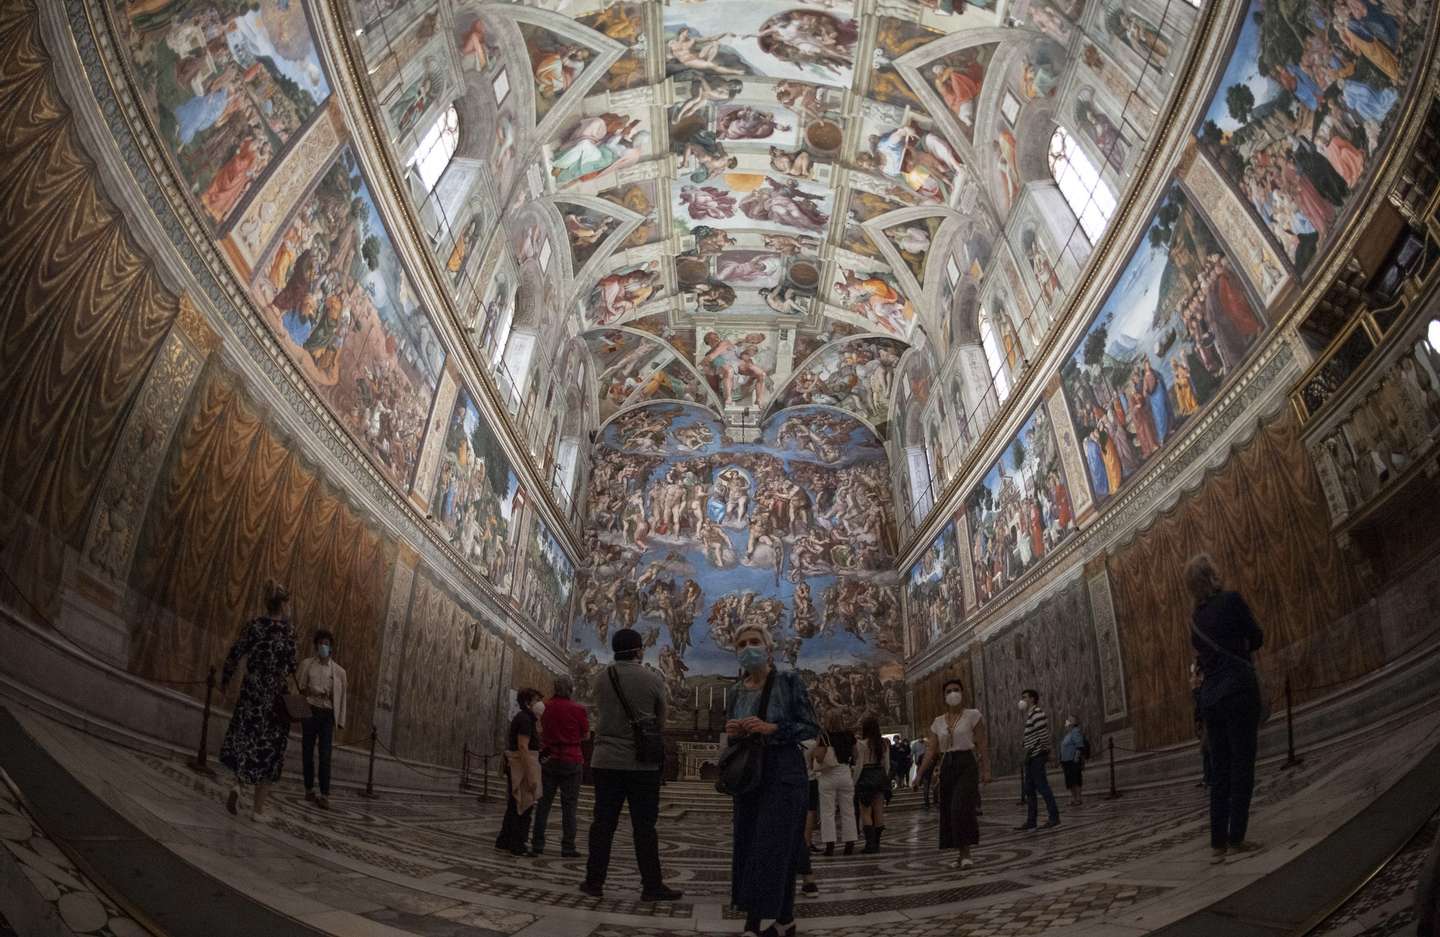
(663, 893)
(310, 796)
(569, 854)
(266, 817)
(1051, 824)
(534, 853)
(810, 890)
(1217, 855)
(322, 802)
(232, 803)
(593, 890)
(1244, 846)
(967, 863)
(1027, 828)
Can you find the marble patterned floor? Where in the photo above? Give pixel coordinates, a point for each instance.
(423, 864)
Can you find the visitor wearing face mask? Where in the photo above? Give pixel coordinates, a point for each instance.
(959, 742)
(1037, 753)
(628, 697)
(566, 724)
(1074, 749)
(522, 772)
(769, 822)
(322, 681)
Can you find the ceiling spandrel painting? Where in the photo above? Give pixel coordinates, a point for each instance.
(800, 171)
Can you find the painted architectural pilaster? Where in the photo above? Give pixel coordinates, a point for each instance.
(1107, 642)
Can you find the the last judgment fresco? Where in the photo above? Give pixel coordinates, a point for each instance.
(693, 534)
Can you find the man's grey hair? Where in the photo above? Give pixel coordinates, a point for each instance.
(565, 686)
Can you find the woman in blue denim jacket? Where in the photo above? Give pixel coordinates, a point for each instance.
(769, 823)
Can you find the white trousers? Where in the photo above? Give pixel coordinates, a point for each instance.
(837, 791)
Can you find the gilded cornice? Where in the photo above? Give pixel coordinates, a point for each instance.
(1107, 260)
(1241, 410)
(1191, 95)
(170, 226)
(367, 139)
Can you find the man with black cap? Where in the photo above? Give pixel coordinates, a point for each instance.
(627, 690)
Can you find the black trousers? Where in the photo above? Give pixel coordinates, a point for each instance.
(1231, 726)
(562, 777)
(515, 828)
(319, 730)
(613, 790)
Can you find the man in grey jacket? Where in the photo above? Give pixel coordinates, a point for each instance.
(620, 778)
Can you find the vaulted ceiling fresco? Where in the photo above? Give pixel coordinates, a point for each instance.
(747, 181)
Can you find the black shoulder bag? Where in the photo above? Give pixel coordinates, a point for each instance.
(1265, 708)
(649, 736)
(742, 763)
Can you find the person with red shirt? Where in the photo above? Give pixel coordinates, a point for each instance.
(564, 726)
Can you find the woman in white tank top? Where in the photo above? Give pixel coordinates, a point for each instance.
(958, 740)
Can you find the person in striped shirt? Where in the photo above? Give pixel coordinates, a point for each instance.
(1037, 752)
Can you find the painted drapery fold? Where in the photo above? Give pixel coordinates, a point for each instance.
(237, 505)
(1263, 518)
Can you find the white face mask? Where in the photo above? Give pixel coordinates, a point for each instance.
(538, 708)
(953, 698)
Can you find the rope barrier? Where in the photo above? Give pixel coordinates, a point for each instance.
(374, 738)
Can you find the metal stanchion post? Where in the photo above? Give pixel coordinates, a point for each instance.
(200, 763)
(1114, 793)
(370, 775)
(1291, 760)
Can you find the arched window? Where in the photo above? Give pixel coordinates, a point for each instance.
(435, 149)
(1079, 181)
(995, 358)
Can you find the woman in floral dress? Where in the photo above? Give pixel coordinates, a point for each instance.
(254, 746)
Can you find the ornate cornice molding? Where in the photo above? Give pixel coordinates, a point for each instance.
(368, 140)
(100, 91)
(1108, 258)
(1260, 393)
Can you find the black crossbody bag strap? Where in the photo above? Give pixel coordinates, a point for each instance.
(629, 713)
(761, 710)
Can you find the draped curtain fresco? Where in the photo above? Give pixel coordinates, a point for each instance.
(526, 671)
(450, 689)
(237, 505)
(82, 314)
(1050, 649)
(1263, 518)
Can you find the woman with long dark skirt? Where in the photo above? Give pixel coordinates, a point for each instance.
(769, 823)
(958, 739)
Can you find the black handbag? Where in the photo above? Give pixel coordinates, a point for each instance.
(649, 736)
(292, 707)
(742, 763)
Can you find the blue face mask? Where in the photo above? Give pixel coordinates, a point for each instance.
(752, 658)
(324, 651)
